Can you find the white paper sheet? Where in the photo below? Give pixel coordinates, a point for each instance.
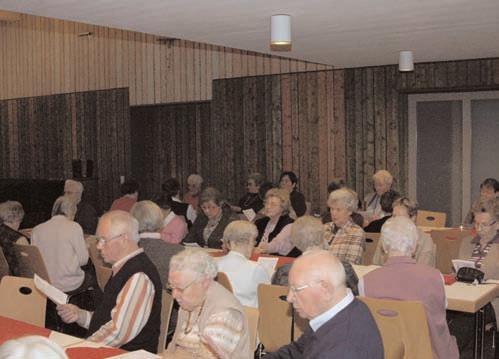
(193, 244)
(54, 294)
(64, 340)
(269, 263)
(250, 214)
(138, 354)
(461, 263)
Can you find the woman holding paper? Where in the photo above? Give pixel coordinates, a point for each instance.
(251, 200)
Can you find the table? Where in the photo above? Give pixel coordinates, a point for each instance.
(462, 297)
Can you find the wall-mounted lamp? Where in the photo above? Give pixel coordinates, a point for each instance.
(406, 61)
(280, 32)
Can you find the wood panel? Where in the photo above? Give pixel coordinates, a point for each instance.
(43, 56)
(40, 136)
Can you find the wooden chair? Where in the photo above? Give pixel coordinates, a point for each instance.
(448, 242)
(431, 219)
(19, 299)
(372, 240)
(166, 312)
(403, 327)
(252, 314)
(224, 280)
(30, 262)
(4, 265)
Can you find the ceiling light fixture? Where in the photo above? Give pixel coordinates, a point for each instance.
(406, 61)
(280, 32)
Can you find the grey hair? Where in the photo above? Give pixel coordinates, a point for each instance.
(257, 177)
(196, 261)
(333, 272)
(344, 197)
(399, 234)
(308, 232)
(283, 196)
(11, 211)
(211, 194)
(383, 176)
(64, 205)
(122, 222)
(195, 179)
(31, 347)
(410, 206)
(240, 232)
(149, 216)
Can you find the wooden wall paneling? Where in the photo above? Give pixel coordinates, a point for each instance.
(295, 123)
(379, 116)
(312, 176)
(339, 135)
(276, 114)
(262, 130)
(287, 134)
(269, 135)
(368, 142)
(303, 122)
(495, 71)
(322, 138)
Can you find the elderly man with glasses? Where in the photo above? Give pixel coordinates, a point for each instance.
(340, 325)
(211, 321)
(129, 314)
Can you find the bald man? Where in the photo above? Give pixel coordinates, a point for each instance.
(340, 325)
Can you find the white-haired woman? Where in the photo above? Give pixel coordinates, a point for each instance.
(194, 185)
(150, 218)
(31, 347)
(244, 275)
(403, 279)
(346, 239)
(211, 321)
(11, 216)
(425, 248)
(382, 182)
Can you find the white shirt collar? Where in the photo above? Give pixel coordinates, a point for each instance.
(155, 235)
(117, 266)
(321, 319)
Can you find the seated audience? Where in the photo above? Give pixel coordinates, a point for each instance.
(289, 182)
(171, 189)
(11, 216)
(251, 199)
(489, 191)
(401, 278)
(483, 249)
(208, 229)
(194, 186)
(425, 248)
(274, 229)
(341, 326)
(382, 182)
(211, 321)
(346, 239)
(63, 247)
(130, 193)
(174, 227)
(386, 202)
(129, 314)
(86, 214)
(31, 347)
(150, 218)
(244, 274)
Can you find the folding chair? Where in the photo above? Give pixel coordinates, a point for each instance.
(30, 262)
(166, 311)
(372, 240)
(252, 314)
(448, 242)
(431, 219)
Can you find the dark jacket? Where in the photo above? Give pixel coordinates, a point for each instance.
(351, 334)
(8, 237)
(195, 234)
(375, 226)
(262, 223)
(298, 203)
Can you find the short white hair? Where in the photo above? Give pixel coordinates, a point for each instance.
(195, 179)
(194, 260)
(64, 205)
(330, 268)
(149, 216)
(240, 232)
(31, 347)
(122, 222)
(399, 234)
(383, 176)
(308, 232)
(73, 186)
(344, 197)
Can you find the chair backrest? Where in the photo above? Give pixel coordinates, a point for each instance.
(274, 325)
(252, 315)
(372, 240)
(224, 280)
(448, 242)
(19, 299)
(431, 219)
(403, 327)
(103, 274)
(166, 312)
(4, 266)
(30, 262)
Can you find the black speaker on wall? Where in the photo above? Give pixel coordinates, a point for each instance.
(76, 165)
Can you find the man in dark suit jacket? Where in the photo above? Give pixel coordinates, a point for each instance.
(340, 325)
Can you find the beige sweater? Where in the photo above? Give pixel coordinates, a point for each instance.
(219, 330)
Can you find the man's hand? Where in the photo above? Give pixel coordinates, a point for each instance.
(69, 313)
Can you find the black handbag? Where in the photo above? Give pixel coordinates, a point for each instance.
(469, 275)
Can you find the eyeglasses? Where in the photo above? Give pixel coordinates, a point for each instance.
(170, 288)
(102, 241)
(296, 290)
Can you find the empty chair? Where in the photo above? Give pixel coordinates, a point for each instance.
(431, 219)
(30, 261)
(403, 327)
(166, 312)
(372, 240)
(19, 299)
(252, 314)
(448, 242)
(224, 280)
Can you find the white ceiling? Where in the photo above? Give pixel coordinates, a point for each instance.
(342, 33)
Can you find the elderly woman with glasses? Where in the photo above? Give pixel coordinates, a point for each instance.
(382, 182)
(425, 248)
(346, 239)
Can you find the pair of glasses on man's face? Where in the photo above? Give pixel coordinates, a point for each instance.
(103, 241)
(170, 288)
